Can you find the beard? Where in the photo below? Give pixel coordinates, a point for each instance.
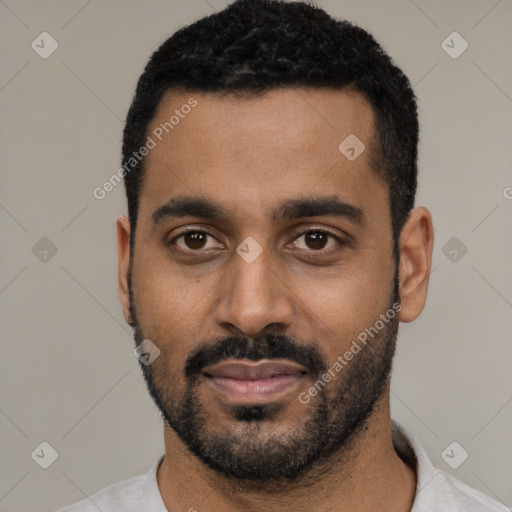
(258, 447)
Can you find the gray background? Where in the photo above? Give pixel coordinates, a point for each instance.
(69, 376)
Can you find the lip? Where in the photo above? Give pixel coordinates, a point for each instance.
(250, 381)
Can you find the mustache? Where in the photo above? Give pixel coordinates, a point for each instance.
(271, 346)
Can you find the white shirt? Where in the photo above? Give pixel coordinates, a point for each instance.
(436, 491)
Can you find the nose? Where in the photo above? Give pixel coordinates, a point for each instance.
(253, 299)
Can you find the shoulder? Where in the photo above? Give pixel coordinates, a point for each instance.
(436, 489)
(121, 496)
(131, 495)
(459, 496)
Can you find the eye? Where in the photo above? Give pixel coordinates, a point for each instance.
(194, 240)
(317, 240)
(313, 240)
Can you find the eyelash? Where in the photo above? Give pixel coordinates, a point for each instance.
(310, 251)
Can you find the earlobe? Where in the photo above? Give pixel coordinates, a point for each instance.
(416, 244)
(123, 264)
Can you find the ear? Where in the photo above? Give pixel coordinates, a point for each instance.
(416, 243)
(123, 264)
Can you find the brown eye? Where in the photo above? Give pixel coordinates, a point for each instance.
(316, 240)
(194, 241)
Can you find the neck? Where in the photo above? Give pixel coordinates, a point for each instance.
(365, 475)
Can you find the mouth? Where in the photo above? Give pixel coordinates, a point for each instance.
(254, 381)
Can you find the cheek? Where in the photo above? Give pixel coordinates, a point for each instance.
(168, 306)
(349, 300)
(161, 289)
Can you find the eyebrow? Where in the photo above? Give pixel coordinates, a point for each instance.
(314, 206)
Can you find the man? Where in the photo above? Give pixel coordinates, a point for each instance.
(270, 251)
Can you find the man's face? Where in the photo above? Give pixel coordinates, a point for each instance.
(250, 308)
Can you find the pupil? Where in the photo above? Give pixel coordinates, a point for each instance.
(195, 240)
(316, 240)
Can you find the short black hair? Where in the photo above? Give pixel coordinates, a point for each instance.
(253, 46)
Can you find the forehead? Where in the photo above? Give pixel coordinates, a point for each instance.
(249, 149)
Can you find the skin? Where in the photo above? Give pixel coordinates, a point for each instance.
(249, 154)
